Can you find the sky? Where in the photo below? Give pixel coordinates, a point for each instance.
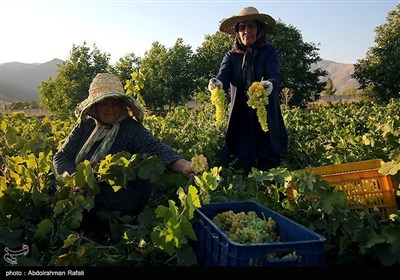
(37, 31)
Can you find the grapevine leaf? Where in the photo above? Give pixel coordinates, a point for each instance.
(60, 207)
(146, 217)
(367, 238)
(167, 213)
(3, 126)
(186, 256)
(173, 209)
(344, 244)
(391, 234)
(31, 161)
(70, 240)
(162, 212)
(187, 229)
(159, 237)
(11, 137)
(182, 196)
(373, 239)
(174, 231)
(389, 168)
(192, 201)
(44, 228)
(150, 169)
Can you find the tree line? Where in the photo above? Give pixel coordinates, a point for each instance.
(173, 76)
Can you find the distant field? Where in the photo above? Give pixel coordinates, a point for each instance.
(34, 112)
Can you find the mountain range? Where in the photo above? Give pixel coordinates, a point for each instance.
(20, 81)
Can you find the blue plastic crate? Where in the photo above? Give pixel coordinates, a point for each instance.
(214, 248)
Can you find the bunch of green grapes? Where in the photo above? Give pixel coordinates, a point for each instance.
(205, 197)
(199, 164)
(258, 99)
(281, 256)
(246, 228)
(218, 100)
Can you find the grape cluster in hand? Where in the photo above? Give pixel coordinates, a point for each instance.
(199, 164)
(258, 99)
(218, 100)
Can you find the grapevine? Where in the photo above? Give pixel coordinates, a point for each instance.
(258, 99)
(218, 100)
(246, 228)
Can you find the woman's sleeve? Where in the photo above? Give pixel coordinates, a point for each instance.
(272, 68)
(145, 142)
(64, 158)
(224, 72)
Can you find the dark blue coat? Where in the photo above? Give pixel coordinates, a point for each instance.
(244, 137)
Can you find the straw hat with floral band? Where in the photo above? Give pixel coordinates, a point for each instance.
(104, 86)
(246, 14)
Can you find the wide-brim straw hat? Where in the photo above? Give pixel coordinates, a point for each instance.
(106, 85)
(246, 14)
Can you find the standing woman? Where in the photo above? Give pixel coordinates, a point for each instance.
(251, 59)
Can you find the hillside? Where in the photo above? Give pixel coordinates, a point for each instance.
(340, 73)
(19, 81)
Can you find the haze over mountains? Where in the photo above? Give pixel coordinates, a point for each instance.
(20, 81)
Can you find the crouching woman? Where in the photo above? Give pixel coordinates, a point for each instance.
(111, 122)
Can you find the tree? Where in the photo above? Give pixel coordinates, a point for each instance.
(71, 85)
(168, 75)
(153, 69)
(378, 72)
(125, 66)
(329, 88)
(208, 57)
(296, 59)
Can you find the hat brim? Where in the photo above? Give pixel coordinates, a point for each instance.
(130, 102)
(228, 25)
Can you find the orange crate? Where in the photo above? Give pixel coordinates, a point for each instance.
(362, 184)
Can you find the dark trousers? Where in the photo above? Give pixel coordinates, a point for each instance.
(264, 164)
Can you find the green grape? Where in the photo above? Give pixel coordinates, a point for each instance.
(218, 100)
(258, 99)
(199, 164)
(246, 228)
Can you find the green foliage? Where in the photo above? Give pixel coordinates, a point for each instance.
(208, 57)
(168, 75)
(341, 133)
(378, 72)
(125, 66)
(329, 88)
(162, 235)
(71, 85)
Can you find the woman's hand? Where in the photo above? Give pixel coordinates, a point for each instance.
(213, 83)
(268, 86)
(183, 166)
